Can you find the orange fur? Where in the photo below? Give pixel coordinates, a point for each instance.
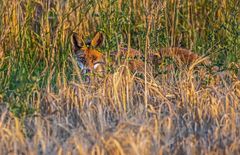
(184, 55)
(93, 56)
(181, 54)
(136, 64)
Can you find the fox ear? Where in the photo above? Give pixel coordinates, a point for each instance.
(97, 39)
(76, 42)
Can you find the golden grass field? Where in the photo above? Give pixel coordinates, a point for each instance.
(172, 108)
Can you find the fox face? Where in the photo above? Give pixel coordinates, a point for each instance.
(89, 59)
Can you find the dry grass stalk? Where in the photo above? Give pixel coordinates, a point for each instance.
(1, 52)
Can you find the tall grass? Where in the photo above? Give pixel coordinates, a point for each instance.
(46, 109)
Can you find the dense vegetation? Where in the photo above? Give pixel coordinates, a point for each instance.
(45, 108)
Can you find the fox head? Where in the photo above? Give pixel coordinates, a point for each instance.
(89, 59)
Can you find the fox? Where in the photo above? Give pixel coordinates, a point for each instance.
(91, 60)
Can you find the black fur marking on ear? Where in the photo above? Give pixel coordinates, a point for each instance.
(76, 44)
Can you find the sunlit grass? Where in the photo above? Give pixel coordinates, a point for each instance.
(175, 109)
